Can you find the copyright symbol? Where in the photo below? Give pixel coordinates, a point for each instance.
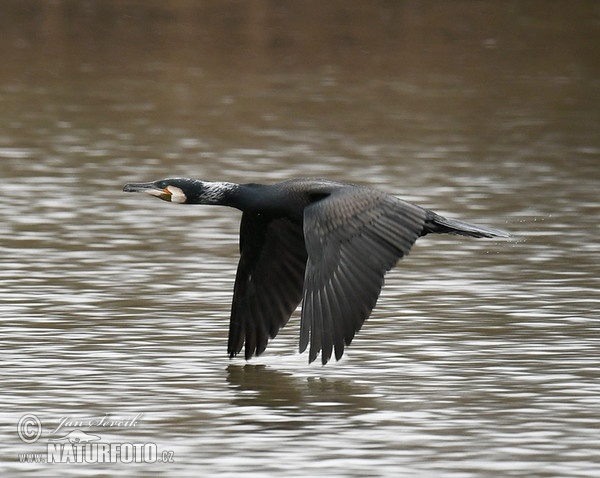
(29, 428)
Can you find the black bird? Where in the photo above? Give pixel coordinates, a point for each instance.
(326, 243)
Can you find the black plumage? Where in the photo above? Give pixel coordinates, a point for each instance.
(324, 243)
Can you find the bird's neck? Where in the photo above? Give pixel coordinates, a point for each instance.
(245, 197)
(218, 193)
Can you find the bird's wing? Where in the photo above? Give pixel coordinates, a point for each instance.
(268, 284)
(353, 237)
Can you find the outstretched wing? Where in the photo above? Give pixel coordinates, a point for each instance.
(268, 284)
(353, 237)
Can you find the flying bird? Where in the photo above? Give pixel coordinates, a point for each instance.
(328, 244)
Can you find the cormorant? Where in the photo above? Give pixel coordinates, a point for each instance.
(326, 243)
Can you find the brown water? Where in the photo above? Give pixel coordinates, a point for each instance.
(481, 358)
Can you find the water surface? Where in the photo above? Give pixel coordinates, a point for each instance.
(481, 358)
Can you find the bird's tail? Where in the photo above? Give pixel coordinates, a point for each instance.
(434, 223)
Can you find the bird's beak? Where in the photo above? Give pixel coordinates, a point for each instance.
(149, 188)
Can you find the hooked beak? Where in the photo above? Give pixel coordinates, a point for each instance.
(149, 188)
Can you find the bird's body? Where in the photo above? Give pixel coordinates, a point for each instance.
(324, 243)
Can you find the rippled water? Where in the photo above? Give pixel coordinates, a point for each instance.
(481, 358)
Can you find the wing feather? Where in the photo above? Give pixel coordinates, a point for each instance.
(268, 284)
(353, 237)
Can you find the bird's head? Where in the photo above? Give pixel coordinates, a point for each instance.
(178, 190)
(183, 190)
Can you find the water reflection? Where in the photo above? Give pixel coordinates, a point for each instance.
(481, 358)
(259, 385)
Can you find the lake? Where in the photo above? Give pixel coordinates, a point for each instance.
(482, 356)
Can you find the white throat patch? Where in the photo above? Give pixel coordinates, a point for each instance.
(177, 194)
